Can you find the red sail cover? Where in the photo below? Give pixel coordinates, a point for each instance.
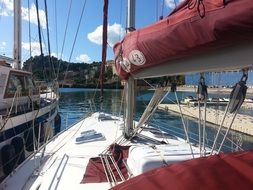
(225, 171)
(185, 33)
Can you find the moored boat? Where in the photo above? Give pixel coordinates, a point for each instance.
(28, 115)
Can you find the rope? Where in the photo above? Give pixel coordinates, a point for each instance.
(116, 167)
(237, 97)
(160, 154)
(220, 132)
(10, 111)
(201, 96)
(228, 129)
(200, 7)
(106, 173)
(111, 174)
(159, 124)
(204, 129)
(199, 126)
(185, 130)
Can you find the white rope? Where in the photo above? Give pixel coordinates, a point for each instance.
(106, 174)
(199, 126)
(228, 129)
(116, 167)
(111, 174)
(182, 118)
(220, 127)
(204, 129)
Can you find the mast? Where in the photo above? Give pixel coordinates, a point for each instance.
(104, 47)
(130, 84)
(17, 35)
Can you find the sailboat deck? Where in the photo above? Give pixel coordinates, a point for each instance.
(64, 162)
(72, 159)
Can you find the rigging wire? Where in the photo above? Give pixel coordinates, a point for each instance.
(78, 27)
(48, 41)
(56, 28)
(40, 41)
(237, 97)
(157, 2)
(120, 17)
(205, 143)
(161, 17)
(201, 97)
(175, 2)
(64, 38)
(30, 43)
(73, 46)
(46, 51)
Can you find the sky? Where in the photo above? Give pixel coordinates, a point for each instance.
(88, 46)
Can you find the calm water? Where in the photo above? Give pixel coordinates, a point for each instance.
(76, 103)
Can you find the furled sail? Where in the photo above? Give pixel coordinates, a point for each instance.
(202, 33)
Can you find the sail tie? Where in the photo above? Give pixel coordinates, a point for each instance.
(200, 7)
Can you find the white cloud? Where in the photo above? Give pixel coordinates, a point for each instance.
(33, 15)
(115, 32)
(171, 3)
(2, 46)
(6, 9)
(83, 58)
(35, 46)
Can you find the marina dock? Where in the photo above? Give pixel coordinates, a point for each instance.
(243, 123)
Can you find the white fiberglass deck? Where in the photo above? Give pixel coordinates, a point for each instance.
(65, 161)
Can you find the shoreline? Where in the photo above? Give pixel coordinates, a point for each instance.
(242, 123)
(213, 90)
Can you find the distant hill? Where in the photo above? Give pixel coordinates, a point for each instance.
(84, 74)
(69, 74)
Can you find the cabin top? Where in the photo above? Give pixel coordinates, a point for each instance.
(12, 80)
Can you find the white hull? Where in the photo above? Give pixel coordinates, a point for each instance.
(29, 116)
(19, 125)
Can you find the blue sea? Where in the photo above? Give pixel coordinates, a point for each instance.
(77, 103)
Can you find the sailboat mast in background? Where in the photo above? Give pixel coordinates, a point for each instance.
(17, 34)
(104, 48)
